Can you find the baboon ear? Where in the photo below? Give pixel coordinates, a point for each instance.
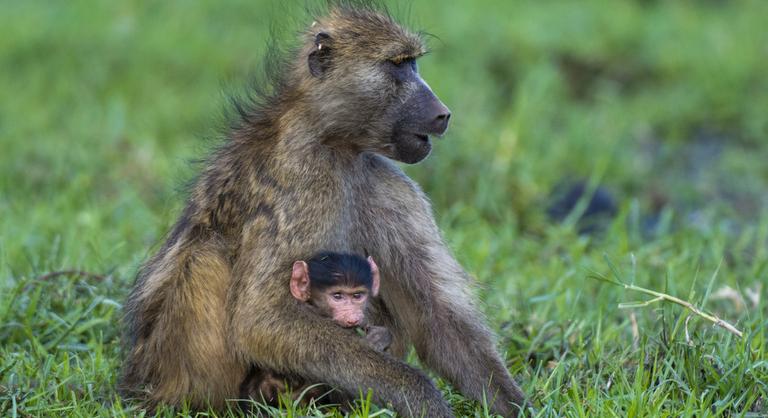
(319, 59)
(300, 281)
(376, 277)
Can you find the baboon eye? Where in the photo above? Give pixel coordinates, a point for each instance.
(357, 295)
(337, 296)
(319, 60)
(402, 68)
(404, 62)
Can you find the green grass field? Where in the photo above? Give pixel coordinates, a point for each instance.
(104, 106)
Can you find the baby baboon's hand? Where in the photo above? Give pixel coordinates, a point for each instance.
(379, 338)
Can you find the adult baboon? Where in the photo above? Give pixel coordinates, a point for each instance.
(309, 168)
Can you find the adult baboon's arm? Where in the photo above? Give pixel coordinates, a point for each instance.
(276, 332)
(430, 295)
(455, 341)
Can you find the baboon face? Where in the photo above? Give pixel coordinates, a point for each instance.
(419, 114)
(340, 286)
(368, 86)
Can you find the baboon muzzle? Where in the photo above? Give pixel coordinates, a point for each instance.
(439, 116)
(431, 115)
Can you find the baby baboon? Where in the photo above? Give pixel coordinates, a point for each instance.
(336, 286)
(309, 167)
(341, 287)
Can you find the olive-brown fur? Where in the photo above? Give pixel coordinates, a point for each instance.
(308, 168)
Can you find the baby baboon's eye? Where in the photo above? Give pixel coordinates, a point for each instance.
(337, 296)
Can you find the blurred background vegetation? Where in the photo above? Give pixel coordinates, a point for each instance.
(652, 115)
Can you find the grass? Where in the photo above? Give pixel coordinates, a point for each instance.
(103, 105)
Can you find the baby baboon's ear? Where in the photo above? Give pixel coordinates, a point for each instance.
(376, 277)
(300, 284)
(319, 60)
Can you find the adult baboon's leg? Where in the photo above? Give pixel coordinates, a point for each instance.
(177, 328)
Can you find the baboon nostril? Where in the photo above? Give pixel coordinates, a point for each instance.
(441, 123)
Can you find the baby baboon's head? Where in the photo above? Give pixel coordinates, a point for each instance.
(363, 85)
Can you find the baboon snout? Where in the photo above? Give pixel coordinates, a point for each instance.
(429, 113)
(440, 114)
(441, 122)
(351, 321)
(349, 316)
